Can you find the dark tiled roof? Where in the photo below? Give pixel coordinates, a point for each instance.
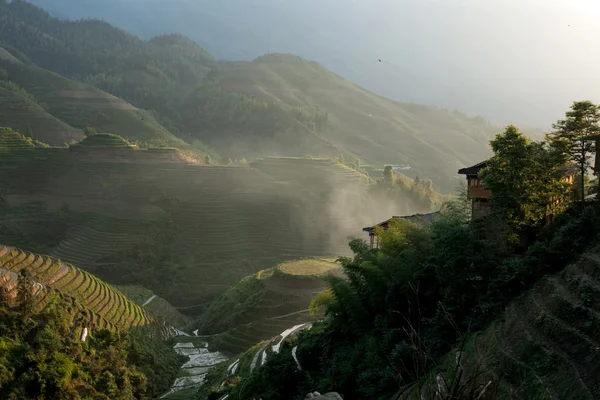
(473, 170)
(416, 217)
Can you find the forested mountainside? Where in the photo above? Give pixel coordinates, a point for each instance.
(278, 104)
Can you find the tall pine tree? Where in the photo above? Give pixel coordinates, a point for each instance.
(570, 136)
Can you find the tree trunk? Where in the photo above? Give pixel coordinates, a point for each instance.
(582, 181)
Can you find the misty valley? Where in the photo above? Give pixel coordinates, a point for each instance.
(178, 226)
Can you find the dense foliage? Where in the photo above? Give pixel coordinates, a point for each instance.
(527, 180)
(42, 356)
(406, 303)
(571, 136)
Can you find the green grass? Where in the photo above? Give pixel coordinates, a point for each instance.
(306, 267)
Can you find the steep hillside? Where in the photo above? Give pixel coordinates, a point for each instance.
(20, 111)
(263, 305)
(433, 141)
(108, 308)
(54, 345)
(185, 231)
(546, 345)
(152, 75)
(54, 109)
(154, 305)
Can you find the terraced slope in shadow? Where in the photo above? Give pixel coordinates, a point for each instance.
(263, 305)
(548, 344)
(219, 223)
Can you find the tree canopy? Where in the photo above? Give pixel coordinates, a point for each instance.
(570, 134)
(527, 179)
(42, 355)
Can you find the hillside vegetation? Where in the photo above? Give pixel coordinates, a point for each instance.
(109, 308)
(465, 306)
(12, 142)
(185, 231)
(377, 129)
(277, 104)
(265, 304)
(545, 344)
(51, 351)
(36, 96)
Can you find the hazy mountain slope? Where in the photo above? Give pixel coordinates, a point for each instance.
(64, 102)
(20, 111)
(277, 104)
(428, 51)
(435, 142)
(149, 74)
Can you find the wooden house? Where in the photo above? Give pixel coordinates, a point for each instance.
(481, 197)
(371, 230)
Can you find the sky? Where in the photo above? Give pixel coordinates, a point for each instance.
(524, 43)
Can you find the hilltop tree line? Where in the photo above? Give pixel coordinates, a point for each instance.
(405, 305)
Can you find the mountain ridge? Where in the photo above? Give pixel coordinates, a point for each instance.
(268, 106)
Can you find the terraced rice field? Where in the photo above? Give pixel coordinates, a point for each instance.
(111, 309)
(308, 267)
(309, 170)
(267, 303)
(194, 370)
(229, 221)
(253, 358)
(548, 343)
